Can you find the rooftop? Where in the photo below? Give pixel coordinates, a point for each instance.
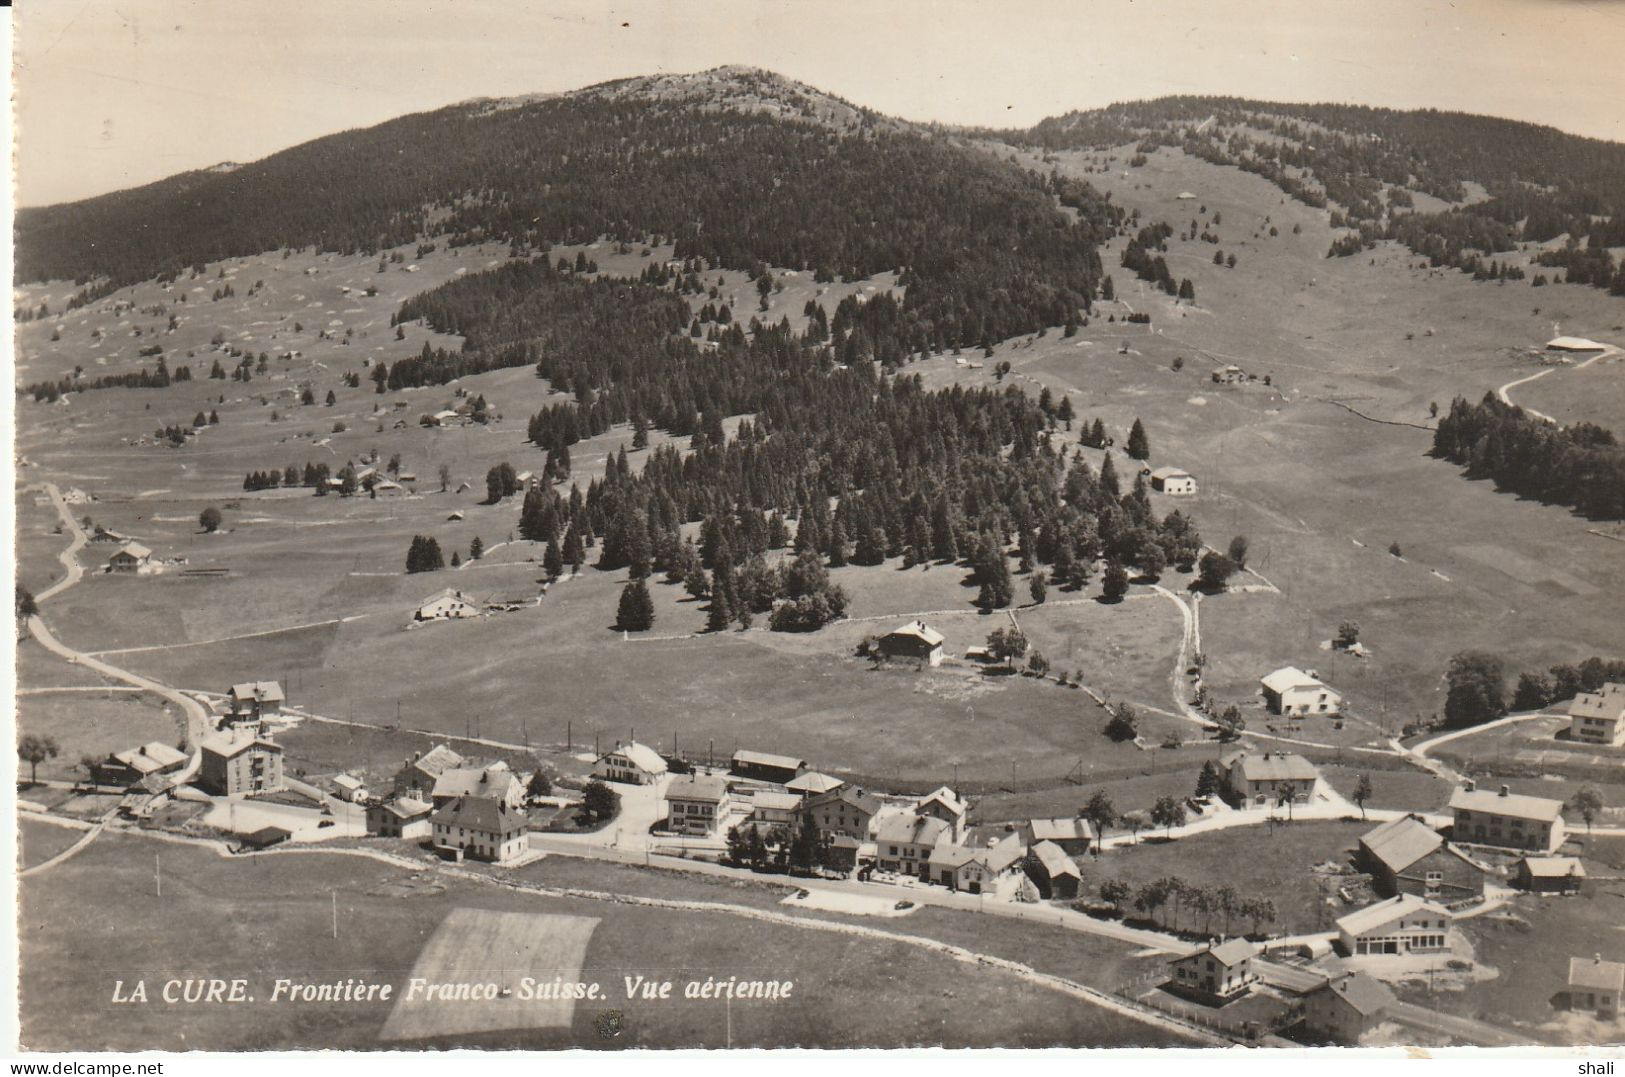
(1608, 703)
(767, 759)
(813, 783)
(1366, 994)
(1051, 830)
(1555, 867)
(641, 756)
(1595, 974)
(1401, 842)
(259, 691)
(1514, 805)
(1275, 767)
(1288, 677)
(1383, 912)
(919, 630)
(482, 813)
(708, 787)
(911, 829)
(1055, 860)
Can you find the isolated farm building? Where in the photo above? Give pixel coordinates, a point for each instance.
(407, 476)
(240, 761)
(903, 842)
(916, 641)
(1217, 973)
(253, 700)
(1506, 819)
(1406, 856)
(1072, 836)
(1171, 480)
(444, 417)
(1291, 691)
(133, 764)
(766, 767)
(812, 783)
(481, 829)
(130, 557)
(769, 807)
(634, 763)
(446, 605)
(1345, 1008)
(494, 782)
(945, 804)
(847, 811)
(1229, 375)
(1595, 985)
(1262, 780)
(423, 770)
(1405, 924)
(349, 788)
(1054, 873)
(696, 803)
(264, 837)
(1185, 196)
(402, 817)
(1549, 874)
(1599, 717)
(976, 869)
(1573, 344)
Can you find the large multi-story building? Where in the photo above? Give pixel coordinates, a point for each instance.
(1506, 819)
(1599, 717)
(239, 761)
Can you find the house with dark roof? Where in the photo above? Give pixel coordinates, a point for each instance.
(402, 817)
(766, 767)
(1549, 874)
(253, 700)
(846, 810)
(1260, 779)
(1219, 972)
(1345, 1008)
(1054, 872)
(1406, 856)
(1595, 985)
(481, 829)
(1506, 820)
(237, 761)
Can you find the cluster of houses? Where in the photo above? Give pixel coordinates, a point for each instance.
(465, 808)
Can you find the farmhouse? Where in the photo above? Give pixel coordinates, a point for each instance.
(1071, 836)
(422, 771)
(635, 763)
(1229, 375)
(916, 640)
(1171, 480)
(1406, 856)
(1573, 344)
(1405, 924)
(1217, 973)
(1599, 717)
(130, 557)
(976, 870)
(1262, 780)
(402, 817)
(494, 782)
(695, 803)
(240, 761)
(1290, 691)
(903, 843)
(481, 829)
(847, 811)
(1549, 874)
(446, 605)
(1346, 1008)
(1595, 985)
(350, 789)
(1054, 873)
(1506, 819)
(133, 764)
(945, 804)
(812, 783)
(254, 700)
(766, 767)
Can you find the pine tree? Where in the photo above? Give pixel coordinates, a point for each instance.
(553, 560)
(476, 549)
(1139, 446)
(636, 612)
(1114, 584)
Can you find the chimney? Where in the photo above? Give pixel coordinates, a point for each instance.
(1506, 790)
(1468, 786)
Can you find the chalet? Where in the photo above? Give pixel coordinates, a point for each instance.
(130, 557)
(133, 764)
(1507, 820)
(1595, 985)
(696, 803)
(1072, 836)
(1261, 780)
(1054, 873)
(402, 817)
(1290, 691)
(766, 767)
(423, 770)
(240, 761)
(1218, 973)
(812, 784)
(481, 829)
(634, 763)
(915, 641)
(1405, 924)
(1229, 375)
(1406, 856)
(444, 417)
(1171, 480)
(945, 804)
(1343, 1009)
(771, 808)
(975, 869)
(1549, 874)
(446, 605)
(1599, 717)
(494, 782)
(252, 701)
(350, 789)
(903, 842)
(846, 810)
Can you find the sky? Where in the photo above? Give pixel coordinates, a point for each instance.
(115, 93)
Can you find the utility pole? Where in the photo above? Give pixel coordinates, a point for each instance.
(335, 914)
(158, 873)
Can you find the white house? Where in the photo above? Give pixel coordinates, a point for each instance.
(1171, 480)
(1261, 779)
(1595, 985)
(1406, 924)
(945, 804)
(350, 789)
(481, 829)
(1506, 819)
(1599, 717)
(446, 605)
(403, 817)
(495, 782)
(632, 762)
(254, 700)
(130, 557)
(696, 803)
(903, 843)
(1291, 691)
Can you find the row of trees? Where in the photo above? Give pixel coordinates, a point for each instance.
(1171, 896)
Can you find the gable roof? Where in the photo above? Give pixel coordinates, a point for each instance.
(850, 795)
(641, 756)
(233, 742)
(1055, 860)
(905, 829)
(766, 759)
(1274, 767)
(1374, 916)
(769, 800)
(1227, 953)
(918, 630)
(150, 757)
(406, 808)
(495, 780)
(1554, 867)
(482, 813)
(707, 787)
(1289, 677)
(1163, 473)
(1608, 704)
(1515, 805)
(946, 797)
(259, 691)
(1401, 842)
(349, 782)
(813, 783)
(1367, 995)
(1596, 974)
(437, 760)
(449, 592)
(1052, 830)
(134, 549)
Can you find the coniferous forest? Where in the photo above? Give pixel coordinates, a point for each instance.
(1582, 466)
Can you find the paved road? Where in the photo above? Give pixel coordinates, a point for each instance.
(68, 557)
(197, 717)
(1476, 1033)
